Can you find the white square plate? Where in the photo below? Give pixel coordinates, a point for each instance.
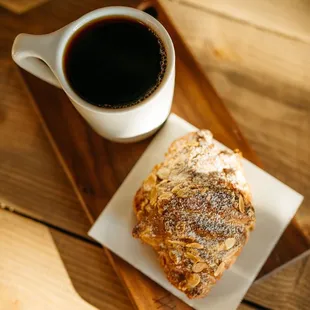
(275, 205)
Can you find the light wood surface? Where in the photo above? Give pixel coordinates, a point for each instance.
(261, 76)
(33, 275)
(222, 39)
(284, 17)
(242, 69)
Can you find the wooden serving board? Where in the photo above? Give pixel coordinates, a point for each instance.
(96, 167)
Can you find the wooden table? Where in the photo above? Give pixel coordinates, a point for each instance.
(39, 265)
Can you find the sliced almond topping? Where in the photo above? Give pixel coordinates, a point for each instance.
(175, 242)
(165, 196)
(147, 238)
(150, 182)
(204, 190)
(193, 280)
(229, 243)
(163, 259)
(153, 196)
(194, 245)
(220, 269)
(198, 267)
(174, 257)
(148, 208)
(139, 215)
(182, 285)
(193, 143)
(163, 173)
(221, 246)
(192, 251)
(143, 203)
(188, 239)
(163, 182)
(192, 257)
(241, 204)
(175, 189)
(230, 254)
(183, 192)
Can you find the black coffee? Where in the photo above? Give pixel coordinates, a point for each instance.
(115, 62)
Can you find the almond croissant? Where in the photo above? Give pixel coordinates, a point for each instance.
(195, 210)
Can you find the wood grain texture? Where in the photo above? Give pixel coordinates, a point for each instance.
(21, 6)
(232, 44)
(55, 14)
(33, 275)
(89, 270)
(97, 178)
(245, 307)
(287, 289)
(32, 182)
(266, 90)
(283, 17)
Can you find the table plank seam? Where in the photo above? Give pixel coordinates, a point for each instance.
(238, 20)
(254, 305)
(49, 225)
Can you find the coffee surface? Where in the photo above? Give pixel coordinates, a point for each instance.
(114, 62)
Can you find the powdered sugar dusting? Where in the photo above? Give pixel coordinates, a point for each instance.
(197, 210)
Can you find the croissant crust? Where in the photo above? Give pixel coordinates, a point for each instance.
(195, 210)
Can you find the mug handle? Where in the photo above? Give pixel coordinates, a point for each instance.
(148, 7)
(36, 54)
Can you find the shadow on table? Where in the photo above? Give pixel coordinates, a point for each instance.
(94, 278)
(90, 272)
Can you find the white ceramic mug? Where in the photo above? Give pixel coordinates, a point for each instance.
(123, 125)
